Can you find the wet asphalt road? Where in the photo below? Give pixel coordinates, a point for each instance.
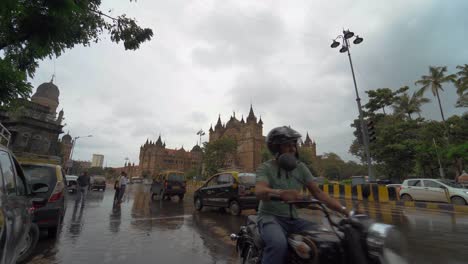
(142, 231)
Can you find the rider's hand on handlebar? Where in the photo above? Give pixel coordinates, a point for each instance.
(290, 195)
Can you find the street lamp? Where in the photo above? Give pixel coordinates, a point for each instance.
(345, 47)
(73, 148)
(200, 133)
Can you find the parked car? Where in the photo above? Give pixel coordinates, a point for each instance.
(72, 183)
(18, 235)
(136, 180)
(49, 214)
(168, 184)
(98, 183)
(233, 190)
(433, 190)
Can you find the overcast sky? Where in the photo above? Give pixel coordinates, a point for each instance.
(216, 57)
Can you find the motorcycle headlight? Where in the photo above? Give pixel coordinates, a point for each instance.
(386, 243)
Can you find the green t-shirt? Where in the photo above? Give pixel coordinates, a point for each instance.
(268, 172)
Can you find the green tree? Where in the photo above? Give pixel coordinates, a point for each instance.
(434, 81)
(394, 148)
(33, 30)
(381, 98)
(404, 104)
(463, 77)
(218, 153)
(462, 86)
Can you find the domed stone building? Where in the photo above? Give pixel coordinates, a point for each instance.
(35, 125)
(155, 157)
(250, 141)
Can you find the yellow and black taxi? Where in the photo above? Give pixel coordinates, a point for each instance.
(231, 189)
(169, 183)
(48, 214)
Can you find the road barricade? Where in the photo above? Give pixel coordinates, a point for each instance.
(361, 192)
(382, 194)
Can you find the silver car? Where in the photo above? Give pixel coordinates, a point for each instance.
(433, 190)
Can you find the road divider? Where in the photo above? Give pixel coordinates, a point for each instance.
(383, 194)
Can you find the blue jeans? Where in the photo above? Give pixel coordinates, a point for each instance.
(274, 234)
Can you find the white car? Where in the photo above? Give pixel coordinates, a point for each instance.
(433, 190)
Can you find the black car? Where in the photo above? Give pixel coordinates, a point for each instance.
(48, 214)
(18, 236)
(232, 190)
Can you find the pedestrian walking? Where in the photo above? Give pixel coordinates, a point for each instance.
(117, 190)
(123, 181)
(83, 184)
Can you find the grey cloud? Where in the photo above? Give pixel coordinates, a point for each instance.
(210, 58)
(234, 36)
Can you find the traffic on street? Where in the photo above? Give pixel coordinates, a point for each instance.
(170, 231)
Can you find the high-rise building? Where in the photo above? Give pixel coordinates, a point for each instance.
(97, 161)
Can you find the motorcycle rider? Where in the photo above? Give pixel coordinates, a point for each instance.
(284, 177)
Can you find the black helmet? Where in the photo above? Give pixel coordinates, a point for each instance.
(280, 135)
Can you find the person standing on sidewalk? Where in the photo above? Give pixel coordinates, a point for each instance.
(123, 181)
(83, 184)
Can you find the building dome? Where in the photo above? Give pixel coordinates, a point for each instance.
(47, 90)
(67, 138)
(196, 148)
(47, 94)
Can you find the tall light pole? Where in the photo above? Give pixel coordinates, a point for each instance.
(200, 133)
(73, 148)
(345, 47)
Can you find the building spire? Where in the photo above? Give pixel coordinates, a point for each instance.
(218, 124)
(308, 141)
(251, 117)
(260, 122)
(159, 141)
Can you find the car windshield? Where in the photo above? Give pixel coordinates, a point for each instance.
(452, 184)
(39, 174)
(247, 178)
(176, 177)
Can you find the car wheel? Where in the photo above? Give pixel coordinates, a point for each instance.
(198, 204)
(181, 197)
(52, 232)
(29, 244)
(406, 197)
(234, 207)
(457, 200)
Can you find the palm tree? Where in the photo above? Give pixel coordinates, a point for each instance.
(462, 91)
(404, 104)
(462, 86)
(463, 76)
(434, 81)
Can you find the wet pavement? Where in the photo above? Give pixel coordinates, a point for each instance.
(144, 231)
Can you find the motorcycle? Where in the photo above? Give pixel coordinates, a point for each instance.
(355, 239)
